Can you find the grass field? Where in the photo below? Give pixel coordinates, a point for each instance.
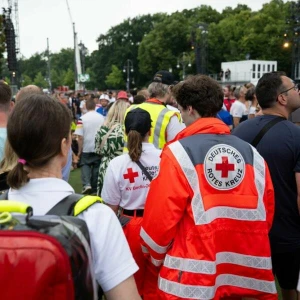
(75, 182)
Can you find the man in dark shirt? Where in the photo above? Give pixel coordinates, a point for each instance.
(278, 96)
(76, 106)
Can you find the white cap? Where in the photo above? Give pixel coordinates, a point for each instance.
(104, 96)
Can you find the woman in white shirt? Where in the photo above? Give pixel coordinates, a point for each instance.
(126, 184)
(39, 132)
(250, 96)
(239, 109)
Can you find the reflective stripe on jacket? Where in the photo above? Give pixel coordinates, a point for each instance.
(207, 217)
(160, 116)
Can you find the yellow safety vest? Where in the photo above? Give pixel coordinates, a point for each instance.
(160, 116)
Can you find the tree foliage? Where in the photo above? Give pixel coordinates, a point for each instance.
(68, 79)
(115, 79)
(26, 80)
(154, 42)
(40, 81)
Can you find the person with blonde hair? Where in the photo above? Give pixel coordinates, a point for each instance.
(109, 139)
(6, 106)
(8, 163)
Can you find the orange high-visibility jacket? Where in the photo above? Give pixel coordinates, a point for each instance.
(207, 217)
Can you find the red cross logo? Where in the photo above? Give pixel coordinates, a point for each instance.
(131, 175)
(224, 167)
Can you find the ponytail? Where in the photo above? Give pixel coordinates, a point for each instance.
(17, 177)
(134, 145)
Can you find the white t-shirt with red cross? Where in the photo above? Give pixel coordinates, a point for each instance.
(125, 184)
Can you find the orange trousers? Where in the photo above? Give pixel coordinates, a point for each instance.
(132, 233)
(147, 276)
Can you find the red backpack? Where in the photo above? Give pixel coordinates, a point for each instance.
(46, 257)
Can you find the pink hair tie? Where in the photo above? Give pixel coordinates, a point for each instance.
(22, 161)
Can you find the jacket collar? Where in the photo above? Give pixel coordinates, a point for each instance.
(156, 101)
(204, 126)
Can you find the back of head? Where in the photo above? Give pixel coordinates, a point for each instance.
(240, 92)
(160, 84)
(35, 131)
(268, 88)
(144, 92)
(250, 94)
(249, 85)
(116, 113)
(90, 104)
(201, 92)
(5, 96)
(27, 91)
(137, 126)
(138, 99)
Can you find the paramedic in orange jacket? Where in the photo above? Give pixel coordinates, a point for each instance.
(209, 210)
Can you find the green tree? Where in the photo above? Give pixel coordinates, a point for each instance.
(119, 44)
(33, 65)
(57, 78)
(161, 48)
(225, 38)
(263, 37)
(63, 60)
(68, 79)
(115, 79)
(26, 80)
(7, 80)
(40, 81)
(242, 32)
(92, 83)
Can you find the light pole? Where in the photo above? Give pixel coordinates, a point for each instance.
(184, 60)
(128, 67)
(199, 44)
(49, 66)
(83, 53)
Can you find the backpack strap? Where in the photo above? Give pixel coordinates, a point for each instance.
(73, 205)
(265, 129)
(144, 170)
(84, 203)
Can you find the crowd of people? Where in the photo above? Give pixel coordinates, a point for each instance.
(204, 180)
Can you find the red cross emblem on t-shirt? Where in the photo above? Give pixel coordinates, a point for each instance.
(131, 175)
(224, 167)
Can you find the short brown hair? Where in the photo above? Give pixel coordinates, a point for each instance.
(201, 92)
(90, 104)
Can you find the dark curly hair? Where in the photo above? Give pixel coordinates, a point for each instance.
(201, 92)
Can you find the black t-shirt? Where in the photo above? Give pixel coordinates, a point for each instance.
(280, 147)
(77, 104)
(3, 185)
